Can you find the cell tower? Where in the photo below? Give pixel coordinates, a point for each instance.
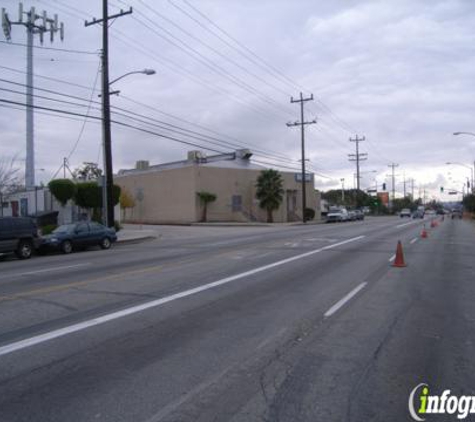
(34, 24)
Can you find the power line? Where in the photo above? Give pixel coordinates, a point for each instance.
(176, 67)
(63, 50)
(71, 113)
(214, 50)
(238, 142)
(243, 50)
(47, 78)
(246, 52)
(213, 66)
(148, 120)
(83, 126)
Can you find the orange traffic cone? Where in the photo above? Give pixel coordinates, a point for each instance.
(424, 233)
(399, 260)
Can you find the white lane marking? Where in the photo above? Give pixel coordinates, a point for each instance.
(413, 240)
(47, 270)
(41, 338)
(323, 239)
(392, 258)
(407, 224)
(344, 300)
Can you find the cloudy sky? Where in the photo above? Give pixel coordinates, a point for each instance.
(401, 73)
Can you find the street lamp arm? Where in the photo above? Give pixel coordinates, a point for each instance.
(464, 133)
(459, 164)
(144, 72)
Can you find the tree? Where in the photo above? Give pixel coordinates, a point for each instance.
(126, 201)
(10, 179)
(205, 199)
(270, 191)
(87, 172)
(89, 195)
(62, 189)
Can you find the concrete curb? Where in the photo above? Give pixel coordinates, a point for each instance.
(136, 240)
(218, 224)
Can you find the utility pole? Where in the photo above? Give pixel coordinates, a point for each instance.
(393, 166)
(342, 191)
(106, 112)
(404, 184)
(412, 189)
(33, 27)
(302, 124)
(357, 158)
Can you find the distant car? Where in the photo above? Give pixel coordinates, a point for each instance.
(337, 215)
(81, 235)
(405, 212)
(418, 214)
(430, 213)
(18, 235)
(359, 214)
(456, 214)
(352, 216)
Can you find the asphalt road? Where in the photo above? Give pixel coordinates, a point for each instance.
(302, 323)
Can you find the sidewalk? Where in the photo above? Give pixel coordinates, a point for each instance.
(128, 235)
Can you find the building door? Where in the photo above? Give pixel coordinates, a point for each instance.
(14, 205)
(292, 205)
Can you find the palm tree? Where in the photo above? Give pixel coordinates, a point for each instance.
(270, 191)
(205, 199)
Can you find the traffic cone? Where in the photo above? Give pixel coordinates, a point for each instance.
(399, 260)
(424, 233)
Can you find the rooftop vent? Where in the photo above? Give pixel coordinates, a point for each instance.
(245, 154)
(142, 165)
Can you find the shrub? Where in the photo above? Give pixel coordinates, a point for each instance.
(117, 226)
(309, 214)
(62, 189)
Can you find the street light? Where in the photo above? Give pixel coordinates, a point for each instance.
(473, 171)
(108, 207)
(147, 72)
(463, 165)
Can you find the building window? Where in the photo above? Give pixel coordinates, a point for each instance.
(237, 203)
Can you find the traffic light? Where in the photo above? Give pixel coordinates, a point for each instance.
(441, 189)
(384, 186)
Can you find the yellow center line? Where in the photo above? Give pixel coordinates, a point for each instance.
(53, 289)
(117, 277)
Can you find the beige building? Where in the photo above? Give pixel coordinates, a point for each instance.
(167, 193)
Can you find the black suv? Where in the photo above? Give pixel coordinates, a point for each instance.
(19, 235)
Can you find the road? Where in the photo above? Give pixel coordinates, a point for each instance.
(301, 323)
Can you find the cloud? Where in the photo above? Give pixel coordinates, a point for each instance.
(399, 73)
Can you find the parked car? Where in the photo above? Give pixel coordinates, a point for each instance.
(351, 215)
(18, 235)
(337, 214)
(81, 235)
(359, 214)
(405, 212)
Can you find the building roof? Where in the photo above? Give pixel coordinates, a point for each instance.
(239, 159)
